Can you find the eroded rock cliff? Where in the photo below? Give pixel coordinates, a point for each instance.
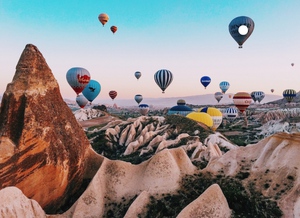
(42, 147)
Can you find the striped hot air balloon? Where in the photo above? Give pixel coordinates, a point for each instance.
(224, 86)
(242, 100)
(289, 95)
(231, 113)
(113, 29)
(163, 79)
(112, 94)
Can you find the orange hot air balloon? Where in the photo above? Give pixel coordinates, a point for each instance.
(113, 29)
(242, 100)
(113, 94)
(103, 18)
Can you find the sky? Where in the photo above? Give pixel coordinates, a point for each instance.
(189, 38)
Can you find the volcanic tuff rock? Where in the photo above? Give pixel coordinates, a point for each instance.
(43, 149)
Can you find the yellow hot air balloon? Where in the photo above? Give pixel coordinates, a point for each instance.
(215, 114)
(201, 117)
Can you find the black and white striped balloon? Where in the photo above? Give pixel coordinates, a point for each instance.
(163, 79)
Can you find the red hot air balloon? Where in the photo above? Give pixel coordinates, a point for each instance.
(113, 94)
(242, 100)
(113, 29)
(78, 78)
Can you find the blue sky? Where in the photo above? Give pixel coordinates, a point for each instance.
(189, 38)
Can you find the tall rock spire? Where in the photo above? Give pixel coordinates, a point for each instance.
(42, 146)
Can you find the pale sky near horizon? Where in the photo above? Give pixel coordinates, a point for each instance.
(189, 38)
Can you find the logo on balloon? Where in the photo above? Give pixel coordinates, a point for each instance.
(85, 79)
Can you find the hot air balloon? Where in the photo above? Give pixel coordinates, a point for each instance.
(252, 94)
(272, 90)
(292, 64)
(78, 78)
(231, 113)
(224, 86)
(289, 95)
(144, 109)
(218, 96)
(103, 18)
(92, 90)
(240, 28)
(215, 114)
(205, 81)
(138, 98)
(201, 117)
(242, 100)
(112, 94)
(180, 108)
(259, 96)
(137, 74)
(113, 29)
(163, 79)
(81, 100)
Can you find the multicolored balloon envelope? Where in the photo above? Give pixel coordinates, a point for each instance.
(112, 94)
(144, 109)
(81, 101)
(92, 90)
(78, 78)
(240, 28)
(163, 79)
(215, 114)
(242, 100)
(289, 95)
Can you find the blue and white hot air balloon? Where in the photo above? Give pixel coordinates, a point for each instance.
(205, 81)
(259, 96)
(240, 28)
(144, 109)
(224, 86)
(163, 79)
(92, 90)
(231, 113)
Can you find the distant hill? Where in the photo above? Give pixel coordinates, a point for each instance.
(207, 99)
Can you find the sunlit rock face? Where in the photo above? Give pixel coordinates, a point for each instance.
(270, 167)
(42, 146)
(15, 204)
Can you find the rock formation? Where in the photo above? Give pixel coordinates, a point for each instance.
(43, 149)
